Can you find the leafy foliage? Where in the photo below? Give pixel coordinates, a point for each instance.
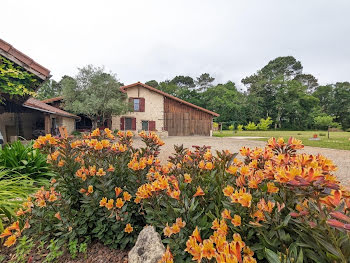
(14, 80)
(251, 126)
(264, 124)
(25, 160)
(95, 94)
(272, 204)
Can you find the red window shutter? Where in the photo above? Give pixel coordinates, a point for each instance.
(133, 124)
(142, 104)
(152, 125)
(122, 121)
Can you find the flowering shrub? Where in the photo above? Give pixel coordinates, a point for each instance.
(92, 196)
(281, 203)
(271, 204)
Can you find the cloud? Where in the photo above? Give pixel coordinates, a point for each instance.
(157, 39)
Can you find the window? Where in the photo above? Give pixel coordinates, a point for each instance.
(145, 125)
(136, 104)
(128, 123)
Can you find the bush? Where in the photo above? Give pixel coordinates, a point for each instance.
(251, 126)
(322, 134)
(240, 127)
(91, 198)
(265, 124)
(271, 205)
(231, 127)
(25, 160)
(266, 200)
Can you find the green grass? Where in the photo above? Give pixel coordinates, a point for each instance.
(338, 140)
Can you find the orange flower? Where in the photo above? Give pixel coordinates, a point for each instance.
(109, 204)
(103, 202)
(226, 214)
(98, 146)
(60, 163)
(58, 216)
(82, 190)
(209, 166)
(232, 169)
(236, 221)
(52, 198)
(208, 250)
(215, 224)
(90, 189)
(110, 168)
(180, 223)
(20, 212)
(101, 172)
(271, 188)
(167, 257)
(117, 190)
(168, 231)
(41, 203)
(119, 203)
(105, 143)
(6, 233)
(187, 178)
(197, 235)
(10, 241)
(126, 196)
(128, 228)
(201, 164)
(228, 190)
(199, 192)
(96, 132)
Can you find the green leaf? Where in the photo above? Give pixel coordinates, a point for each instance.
(271, 256)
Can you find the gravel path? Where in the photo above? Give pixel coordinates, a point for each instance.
(340, 157)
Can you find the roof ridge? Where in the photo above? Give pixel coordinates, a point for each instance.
(169, 96)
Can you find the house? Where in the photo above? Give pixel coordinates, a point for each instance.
(82, 124)
(26, 118)
(155, 110)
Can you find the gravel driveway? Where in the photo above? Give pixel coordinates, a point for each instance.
(340, 157)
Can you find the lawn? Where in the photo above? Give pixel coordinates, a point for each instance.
(338, 140)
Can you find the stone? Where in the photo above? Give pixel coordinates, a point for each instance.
(148, 247)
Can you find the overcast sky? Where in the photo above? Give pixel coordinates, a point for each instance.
(159, 39)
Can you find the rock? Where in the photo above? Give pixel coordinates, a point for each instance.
(148, 247)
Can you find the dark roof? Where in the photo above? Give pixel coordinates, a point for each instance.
(53, 99)
(41, 106)
(169, 96)
(23, 60)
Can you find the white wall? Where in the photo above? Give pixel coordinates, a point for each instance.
(154, 109)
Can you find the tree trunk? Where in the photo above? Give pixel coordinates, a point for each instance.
(94, 123)
(328, 132)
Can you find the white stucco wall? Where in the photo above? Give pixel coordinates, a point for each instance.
(154, 109)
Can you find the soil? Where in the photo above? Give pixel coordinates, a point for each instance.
(96, 253)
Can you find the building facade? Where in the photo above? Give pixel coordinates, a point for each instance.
(155, 110)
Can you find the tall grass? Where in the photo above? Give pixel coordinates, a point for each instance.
(14, 189)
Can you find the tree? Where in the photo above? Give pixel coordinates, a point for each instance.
(204, 81)
(183, 81)
(153, 83)
(95, 94)
(325, 121)
(224, 99)
(281, 91)
(49, 89)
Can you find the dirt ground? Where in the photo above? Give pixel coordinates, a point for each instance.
(340, 157)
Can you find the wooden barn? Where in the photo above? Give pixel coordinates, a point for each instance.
(159, 111)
